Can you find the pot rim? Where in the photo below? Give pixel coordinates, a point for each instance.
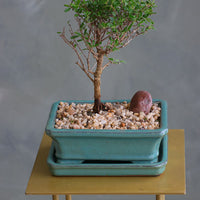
(51, 131)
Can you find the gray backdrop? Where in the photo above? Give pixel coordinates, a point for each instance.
(37, 69)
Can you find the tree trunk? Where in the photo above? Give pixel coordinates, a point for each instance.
(97, 85)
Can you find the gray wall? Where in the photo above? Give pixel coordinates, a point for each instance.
(37, 69)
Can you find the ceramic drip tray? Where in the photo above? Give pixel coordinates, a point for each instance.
(109, 168)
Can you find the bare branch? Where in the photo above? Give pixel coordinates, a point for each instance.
(88, 63)
(103, 34)
(62, 35)
(72, 32)
(106, 65)
(106, 37)
(82, 66)
(93, 67)
(85, 41)
(131, 37)
(85, 71)
(86, 57)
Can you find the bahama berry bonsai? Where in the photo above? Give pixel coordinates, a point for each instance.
(104, 26)
(116, 131)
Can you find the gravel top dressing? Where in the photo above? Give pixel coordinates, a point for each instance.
(81, 116)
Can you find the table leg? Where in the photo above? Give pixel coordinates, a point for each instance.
(68, 197)
(160, 197)
(55, 197)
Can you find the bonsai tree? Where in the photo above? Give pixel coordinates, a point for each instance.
(104, 26)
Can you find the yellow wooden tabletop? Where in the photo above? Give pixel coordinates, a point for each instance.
(172, 181)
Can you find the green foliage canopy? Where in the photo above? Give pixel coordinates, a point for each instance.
(115, 20)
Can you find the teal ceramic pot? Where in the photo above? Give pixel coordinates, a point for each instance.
(77, 145)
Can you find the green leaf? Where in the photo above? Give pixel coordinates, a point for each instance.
(80, 40)
(77, 33)
(67, 9)
(115, 49)
(59, 32)
(122, 61)
(93, 43)
(90, 45)
(74, 36)
(81, 26)
(129, 27)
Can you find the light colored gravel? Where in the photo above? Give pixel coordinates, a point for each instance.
(81, 116)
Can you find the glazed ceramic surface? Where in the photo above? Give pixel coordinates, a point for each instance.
(97, 168)
(76, 145)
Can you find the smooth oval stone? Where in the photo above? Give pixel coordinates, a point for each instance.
(141, 102)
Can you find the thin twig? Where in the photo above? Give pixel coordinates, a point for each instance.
(85, 41)
(106, 65)
(93, 67)
(82, 66)
(88, 63)
(85, 71)
(69, 42)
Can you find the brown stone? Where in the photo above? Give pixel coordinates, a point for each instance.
(141, 102)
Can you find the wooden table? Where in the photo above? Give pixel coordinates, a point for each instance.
(172, 181)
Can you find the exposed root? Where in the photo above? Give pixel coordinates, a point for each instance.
(98, 106)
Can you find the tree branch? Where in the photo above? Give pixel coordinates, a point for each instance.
(62, 35)
(132, 35)
(106, 65)
(85, 41)
(88, 63)
(77, 44)
(82, 66)
(85, 71)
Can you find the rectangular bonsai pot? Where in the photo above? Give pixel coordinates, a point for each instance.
(76, 145)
